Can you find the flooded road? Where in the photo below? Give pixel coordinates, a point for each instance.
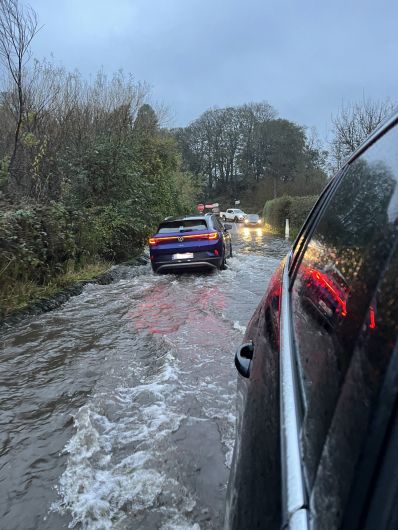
(118, 409)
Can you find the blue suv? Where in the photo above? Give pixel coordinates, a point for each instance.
(190, 242)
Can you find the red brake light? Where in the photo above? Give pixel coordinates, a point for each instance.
(210, 236)
(372, 323)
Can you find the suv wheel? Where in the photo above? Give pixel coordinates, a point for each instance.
(223, 264)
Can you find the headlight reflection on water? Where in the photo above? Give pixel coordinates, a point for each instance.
(250, 234)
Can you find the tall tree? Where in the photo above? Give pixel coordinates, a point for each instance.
(246, 151)
(18, 26)
(353, 124)
(146, 121)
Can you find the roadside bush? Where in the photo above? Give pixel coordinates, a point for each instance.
(38, 243)
(276, 211)
(117, 231)
(300, 207)
(295, 209)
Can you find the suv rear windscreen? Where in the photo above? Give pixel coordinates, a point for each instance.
(188, 225)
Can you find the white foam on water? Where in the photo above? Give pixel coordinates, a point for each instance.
(179, 523)
(111, 467)
(239, 327)
(116, 459)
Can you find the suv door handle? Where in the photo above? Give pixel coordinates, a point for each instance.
(243, 358)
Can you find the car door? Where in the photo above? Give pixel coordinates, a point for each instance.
(343, 327)
(254, 497)
(372, 501)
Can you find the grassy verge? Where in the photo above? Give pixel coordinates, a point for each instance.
(19, 295)
(280, 232)
(273, 230)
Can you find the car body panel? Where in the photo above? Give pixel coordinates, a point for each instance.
(233, 214)
(337, 431)
(253, 503)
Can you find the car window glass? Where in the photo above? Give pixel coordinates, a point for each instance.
(336, 279)
(187, 225)
(306, 229)
(354, 444)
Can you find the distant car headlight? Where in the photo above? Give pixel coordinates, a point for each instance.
(246, 221)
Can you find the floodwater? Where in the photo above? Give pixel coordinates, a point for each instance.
(118, 409)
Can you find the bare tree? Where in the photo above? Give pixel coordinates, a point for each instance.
(18, 26)
(353, 124)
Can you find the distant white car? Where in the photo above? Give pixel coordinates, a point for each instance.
(233, 214)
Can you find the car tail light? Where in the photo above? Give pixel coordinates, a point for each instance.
(155, 240)
(212, 236)
(372, 320)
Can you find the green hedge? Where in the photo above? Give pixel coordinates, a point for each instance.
(295, 209)
(39, 242)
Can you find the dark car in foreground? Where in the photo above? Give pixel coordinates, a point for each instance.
(199, 241)
(252, 219)
(317, 432)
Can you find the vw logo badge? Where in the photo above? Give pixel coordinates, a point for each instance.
(180, 239)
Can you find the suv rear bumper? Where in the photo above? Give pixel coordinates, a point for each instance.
(209, 263)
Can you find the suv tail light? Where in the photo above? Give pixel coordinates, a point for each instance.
(213, 236)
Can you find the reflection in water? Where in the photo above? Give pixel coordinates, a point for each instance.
(117, 409)
(163, 310)
(252, 234)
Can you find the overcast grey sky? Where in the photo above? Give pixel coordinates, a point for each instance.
(303, 57)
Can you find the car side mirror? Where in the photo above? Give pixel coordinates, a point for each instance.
(227, 227)
(243, 358)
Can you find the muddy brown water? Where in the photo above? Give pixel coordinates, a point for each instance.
(118, 409)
